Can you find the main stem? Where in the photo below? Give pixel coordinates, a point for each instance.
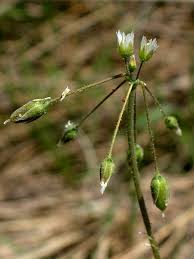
(136, 177)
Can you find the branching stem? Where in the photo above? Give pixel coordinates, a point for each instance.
(99, 104)
(81, 89)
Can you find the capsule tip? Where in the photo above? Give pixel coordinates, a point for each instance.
(7, 121)
(103, 186)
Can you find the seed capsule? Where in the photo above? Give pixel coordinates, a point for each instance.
(160, 191)
(70, 132)
(30, 111)
(106, 170)
(139, 153)
(34, 109)
(172, 123)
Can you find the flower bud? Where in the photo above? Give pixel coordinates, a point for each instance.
(70, 132)
(30, 111)
(139, 153)
(106, 170)
(132, 63)
(125, 44)
(172, 123)
(160, 191)
(147, 48)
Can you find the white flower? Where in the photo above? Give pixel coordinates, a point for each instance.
(125, 43)
(147, 48)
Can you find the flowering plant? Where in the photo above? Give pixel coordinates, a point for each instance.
(159, 186)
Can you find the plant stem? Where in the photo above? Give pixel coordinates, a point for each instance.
(95, 84)
(99, 104)
(139, 70)
(156, 101)
(150, 129)
(136, 177)
(119, 119)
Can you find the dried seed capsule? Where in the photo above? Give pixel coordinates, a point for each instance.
(172, 123)
(106, 170)
(70, 132)
(139, 153)
(160, 191)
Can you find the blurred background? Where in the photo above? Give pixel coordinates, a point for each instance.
(50, 203)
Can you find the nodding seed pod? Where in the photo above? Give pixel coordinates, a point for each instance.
(172, 123)
(70, 132)
(160, 191)
(139, 154)
(106, 170)
(30, 111)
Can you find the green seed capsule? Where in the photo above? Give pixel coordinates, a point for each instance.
(70, 132)
(35, 109)
(139, 154)
(30, 111)
(172, 123)
(106, 170)
(160, 191)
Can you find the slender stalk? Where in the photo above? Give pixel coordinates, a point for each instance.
(139, 70)
(156, 101)
(136, 177)
(119, 119)
(99, 104)
(150, 129)
(95, 84)
(135, 103)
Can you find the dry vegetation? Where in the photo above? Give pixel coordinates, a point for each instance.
(50, 204)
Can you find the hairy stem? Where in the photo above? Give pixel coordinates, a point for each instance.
(136, 177)
(156, 101)
(95, 84)
(119, 119)
(100, 103)
(150, 129)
